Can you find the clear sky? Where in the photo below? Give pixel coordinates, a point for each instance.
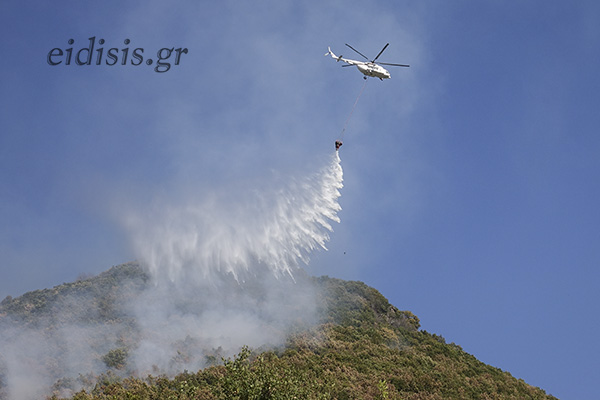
(471, 179)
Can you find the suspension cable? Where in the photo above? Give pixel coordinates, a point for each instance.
(352, 111)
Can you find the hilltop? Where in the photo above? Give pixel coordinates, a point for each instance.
(359, 346)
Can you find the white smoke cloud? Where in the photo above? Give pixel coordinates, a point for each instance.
(223, 268)
(62, 343)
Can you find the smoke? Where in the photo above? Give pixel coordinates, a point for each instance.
(66, 338)
(224, 272)
(223, 267)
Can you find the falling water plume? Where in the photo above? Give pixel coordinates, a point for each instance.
(276, 228)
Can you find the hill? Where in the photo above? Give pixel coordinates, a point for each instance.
(359, 346)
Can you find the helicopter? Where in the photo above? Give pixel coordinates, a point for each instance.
(368, 68)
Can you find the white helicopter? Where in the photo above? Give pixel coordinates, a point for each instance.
(368, 68)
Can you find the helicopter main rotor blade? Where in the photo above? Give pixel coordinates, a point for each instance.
(367, 58)
(395, 65)
(382, 50)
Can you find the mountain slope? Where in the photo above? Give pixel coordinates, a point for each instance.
(360, 346)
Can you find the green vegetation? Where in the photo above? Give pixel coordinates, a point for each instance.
(116, 358)
(92, 300)
(362, 348)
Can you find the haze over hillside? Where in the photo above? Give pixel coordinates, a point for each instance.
(329, 339)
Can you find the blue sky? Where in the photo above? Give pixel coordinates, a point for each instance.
(471, 178)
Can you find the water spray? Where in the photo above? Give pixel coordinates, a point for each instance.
(276, 228)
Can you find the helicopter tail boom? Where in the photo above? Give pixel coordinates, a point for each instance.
(329, 52)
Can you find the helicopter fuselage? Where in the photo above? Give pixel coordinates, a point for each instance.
(373, 70)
